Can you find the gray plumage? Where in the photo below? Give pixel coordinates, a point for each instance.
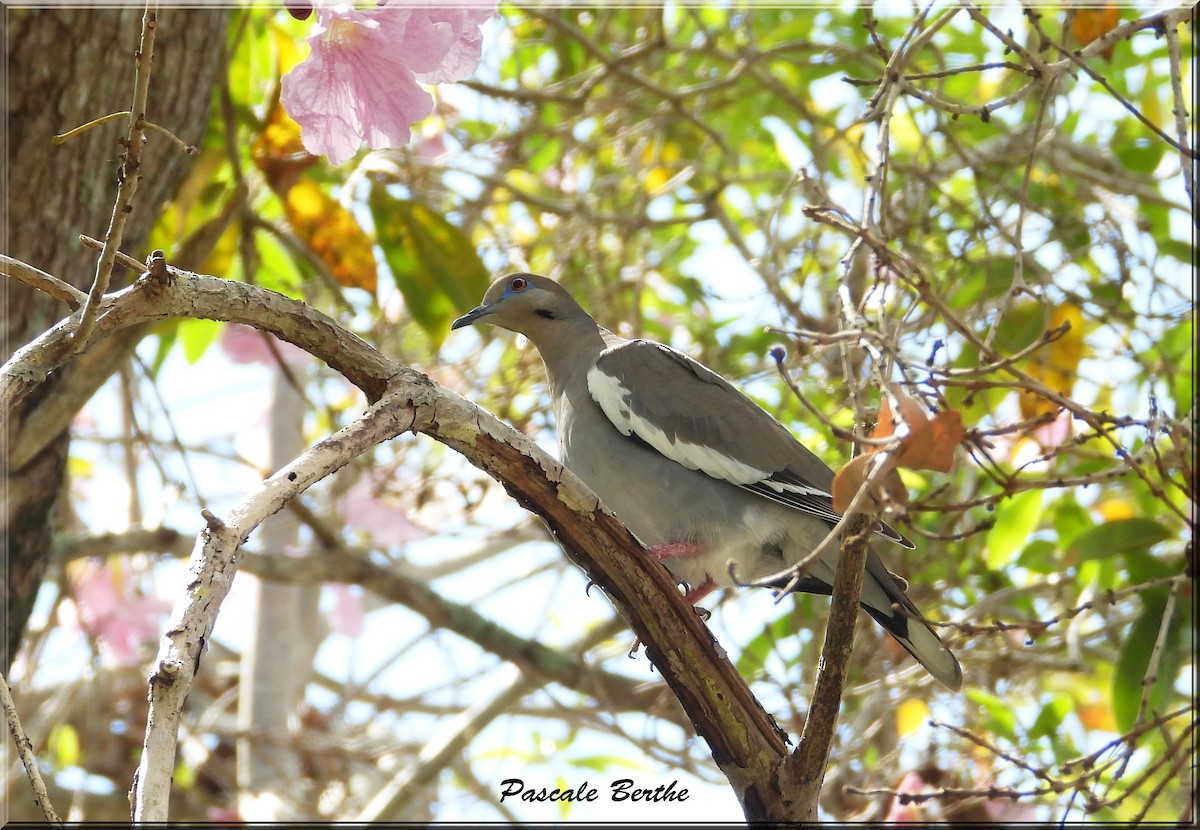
(681, 456)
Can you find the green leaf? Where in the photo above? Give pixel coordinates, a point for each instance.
(1023, 324)
(1070, 520)
(435, 265)
(754, 657)
(547, 154)
(196, 336)
(1120, 536)
(1134, 662)
(1177, 248)
(1016, 519)
(1000, 719)
(1141, 567)
(64, 745)
(184, 776)
(1052, 714)
(603, 763)
(1039, 557)
(278, 268)
(168, 333)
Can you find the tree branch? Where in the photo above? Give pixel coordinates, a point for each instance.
(550, 665)
(804, 771)
(745, 741)
(130, 175)
(25, 750)
(214, 563)
(39, 279)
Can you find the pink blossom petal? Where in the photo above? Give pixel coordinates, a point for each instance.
(246, 344)
(116, 615)
(464, 47)
(360, 82)
(1053, 434)
(911, 812)
(347, 615)
(433, 147)
(377, 516)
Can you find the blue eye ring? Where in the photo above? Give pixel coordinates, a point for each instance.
(518, 284)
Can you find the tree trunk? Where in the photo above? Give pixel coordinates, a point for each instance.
(65, 67)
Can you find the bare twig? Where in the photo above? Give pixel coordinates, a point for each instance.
(128, 178)
(1179, 110)
(210, 577)
(390, 802)
(1151, 678)
(25, 751)
(123, 259)
(39, 279)
(190, 149)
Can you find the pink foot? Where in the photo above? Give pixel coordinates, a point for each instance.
(693, 596)
(676, 550)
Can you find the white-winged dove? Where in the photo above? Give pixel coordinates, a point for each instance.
(697, 471)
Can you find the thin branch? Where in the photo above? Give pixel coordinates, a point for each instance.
(390, 802)
(1076, 58)
(190, 149)
(25, 751)
(121, 258)
(211, 575)
(129, 174)
(1179, 110)
(39, 279)
(1151, 678)
(803, 773)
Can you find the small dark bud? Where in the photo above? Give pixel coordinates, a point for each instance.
(299, 10)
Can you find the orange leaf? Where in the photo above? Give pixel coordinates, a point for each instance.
(1056, 365)
(278, 152)
(930, 442)
(940, 437)
(1096, 715)
(332, 233)
(929, 445)
(1089, 24)
(888, 489)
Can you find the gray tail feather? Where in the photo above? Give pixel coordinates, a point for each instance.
(906, 625)
(921, 642)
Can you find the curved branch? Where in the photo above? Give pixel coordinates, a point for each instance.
(746, 743)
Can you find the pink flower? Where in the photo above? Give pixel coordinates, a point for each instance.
(245, 344)
(900, 813)
(360, 82)
(348, 613)
(110, 610)
(377, 515)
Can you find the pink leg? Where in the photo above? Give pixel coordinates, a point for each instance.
(683, 550)
(676, 550)
(694, 595)
(700, 592)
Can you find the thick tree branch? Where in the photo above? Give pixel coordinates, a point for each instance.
(745, 741)
(804, 772)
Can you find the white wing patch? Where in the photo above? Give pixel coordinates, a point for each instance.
(799, 489)
(608, 392)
